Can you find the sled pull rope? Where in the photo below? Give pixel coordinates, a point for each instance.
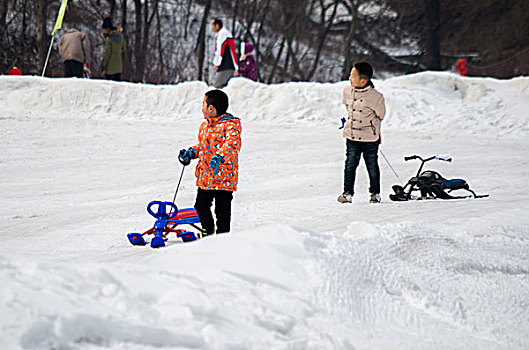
(387, 161)
(177, 187)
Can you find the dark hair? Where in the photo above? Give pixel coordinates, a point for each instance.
(217, 21)
(365, 71)
(217, 99)
(107, 23)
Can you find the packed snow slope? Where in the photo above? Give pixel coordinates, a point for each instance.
(80, 160)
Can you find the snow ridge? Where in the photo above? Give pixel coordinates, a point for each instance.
(429, 102)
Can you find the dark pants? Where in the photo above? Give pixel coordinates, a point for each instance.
(370, 152)
(222, 209)
(222, 77)
(116, 77)
(73, 68)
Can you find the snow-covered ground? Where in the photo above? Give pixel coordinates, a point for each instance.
(81, 159)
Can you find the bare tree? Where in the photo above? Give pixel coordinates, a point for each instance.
(125, 26)
(323, 36)
(431, 37)
(188, 15)
(138, 39)
(351, 6)
(201, 40)
(3, 35)
(42, 34)
(3, 17)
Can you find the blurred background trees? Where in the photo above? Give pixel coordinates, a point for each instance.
(296, 40)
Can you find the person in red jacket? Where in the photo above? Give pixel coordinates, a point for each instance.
(14, 71)
(462, 67)
(219, 143)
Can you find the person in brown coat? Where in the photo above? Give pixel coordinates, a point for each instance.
(366, 109)
(74, 49)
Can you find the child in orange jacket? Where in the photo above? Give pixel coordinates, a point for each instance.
(219, 143)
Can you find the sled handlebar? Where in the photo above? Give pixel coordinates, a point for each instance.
(162, 209)
(445, 158)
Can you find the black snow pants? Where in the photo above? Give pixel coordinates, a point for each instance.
(222, 209)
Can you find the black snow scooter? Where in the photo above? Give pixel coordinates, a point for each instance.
(430, 184)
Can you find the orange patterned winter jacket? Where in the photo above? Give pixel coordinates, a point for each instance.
(222, 136)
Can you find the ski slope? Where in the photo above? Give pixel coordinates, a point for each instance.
(81, 159)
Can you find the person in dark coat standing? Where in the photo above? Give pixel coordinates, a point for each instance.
(114, 47)
(74, 49)
(247, 64)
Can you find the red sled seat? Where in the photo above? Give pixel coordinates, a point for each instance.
(185, 216)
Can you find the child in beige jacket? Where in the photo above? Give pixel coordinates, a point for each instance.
(366, 110)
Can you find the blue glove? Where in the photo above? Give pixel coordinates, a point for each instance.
(214, 163)
(343, 124)
(185, 156)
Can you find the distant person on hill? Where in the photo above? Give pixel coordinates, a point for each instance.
(87, 73)
(366, 109)
(225, 58)
(14, 71)
(247, 64)
(462, 67)
(217, 171)
(74, 49)
(114, 47)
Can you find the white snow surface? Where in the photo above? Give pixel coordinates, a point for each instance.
(80, 160)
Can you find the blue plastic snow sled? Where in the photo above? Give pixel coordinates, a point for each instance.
(167, 223)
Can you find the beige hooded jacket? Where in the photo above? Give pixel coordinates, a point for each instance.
(366, 109)
(74, 45)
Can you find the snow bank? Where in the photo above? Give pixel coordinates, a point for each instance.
(447, 103)
(80, 160)
(197, 295)
(280, 287)
(429, 102)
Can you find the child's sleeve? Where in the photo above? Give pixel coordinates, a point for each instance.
(243, 66)
(380, 107)
(344, 99)
(220, 39)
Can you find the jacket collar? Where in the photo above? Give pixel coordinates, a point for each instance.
(109, 31)
(366, 88)
(224, 117)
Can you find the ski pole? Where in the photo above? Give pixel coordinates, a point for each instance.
(387, 161)
(12, 65)
(177, 187)
(48, 56)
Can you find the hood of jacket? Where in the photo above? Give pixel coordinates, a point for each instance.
(224, 117)
(114, 34)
